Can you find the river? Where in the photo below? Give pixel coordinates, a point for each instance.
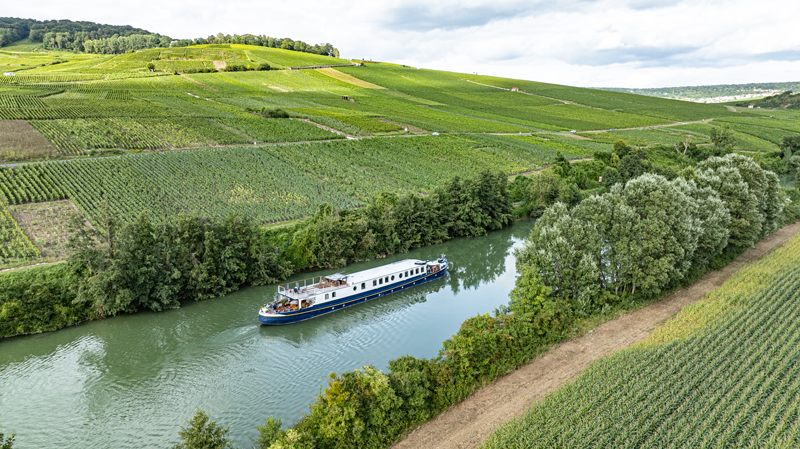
(131, 381)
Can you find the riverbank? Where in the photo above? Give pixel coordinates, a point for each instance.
(468, 423)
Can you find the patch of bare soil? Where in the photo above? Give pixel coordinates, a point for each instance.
(219, 65)
(468, 424)
(47, 225)
(19, 141)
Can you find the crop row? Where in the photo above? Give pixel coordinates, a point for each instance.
(29, 183)
(15, 246)
(270, 183)
(20, 102)
(734, 383)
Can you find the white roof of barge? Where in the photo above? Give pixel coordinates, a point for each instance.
(384, 270)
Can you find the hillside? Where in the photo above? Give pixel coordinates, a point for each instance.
(214, 99)
(785, 100)
(711, 91)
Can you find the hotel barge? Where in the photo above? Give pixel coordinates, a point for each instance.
(310, 298)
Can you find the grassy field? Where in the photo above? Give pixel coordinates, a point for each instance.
(722, 373)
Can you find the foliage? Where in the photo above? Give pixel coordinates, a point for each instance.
(14, 244)
(269, 432)
(6, 442)
(785, 100)
(203, 433)
(38, 299)
(713, 376)
(645, 236)
(369, 408)
(147, 266)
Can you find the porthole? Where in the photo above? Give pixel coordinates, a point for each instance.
(355, 288)
(400, 275)
(392, 277)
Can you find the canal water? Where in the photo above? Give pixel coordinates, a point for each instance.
(131, 381)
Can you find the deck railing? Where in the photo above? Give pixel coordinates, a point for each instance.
(308, 287)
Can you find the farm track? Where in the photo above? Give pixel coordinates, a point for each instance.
(469, 423)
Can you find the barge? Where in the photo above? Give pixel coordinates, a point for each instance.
(313, 297)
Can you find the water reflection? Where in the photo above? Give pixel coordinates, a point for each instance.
(131, 381)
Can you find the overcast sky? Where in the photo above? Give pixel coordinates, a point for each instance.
(608, 43)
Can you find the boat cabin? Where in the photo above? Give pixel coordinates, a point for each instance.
(338, 286)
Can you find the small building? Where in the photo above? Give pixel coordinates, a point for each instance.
(750, 106)
(515, 89)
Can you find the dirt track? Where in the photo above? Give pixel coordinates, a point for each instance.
(468, 424)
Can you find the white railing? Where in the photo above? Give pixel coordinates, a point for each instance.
(309, 287)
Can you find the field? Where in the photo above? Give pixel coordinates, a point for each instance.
(21, 142)
(269, 183)
(722, 373)
(46, 225)
(63, 106)
(15, 247)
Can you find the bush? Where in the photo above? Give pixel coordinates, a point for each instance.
(202, 433)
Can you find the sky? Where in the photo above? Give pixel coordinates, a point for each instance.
(603, 43)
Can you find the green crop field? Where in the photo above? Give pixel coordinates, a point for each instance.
(723, 373)
(15, 246)
(270, 183)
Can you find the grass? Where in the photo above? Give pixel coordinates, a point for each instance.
(720, 374)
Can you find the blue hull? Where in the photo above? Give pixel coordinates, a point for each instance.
(333, 306)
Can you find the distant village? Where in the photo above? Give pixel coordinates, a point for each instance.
(727, 98)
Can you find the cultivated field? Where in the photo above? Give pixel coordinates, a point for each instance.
(722, 373)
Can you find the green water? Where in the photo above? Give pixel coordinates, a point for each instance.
(131, 381)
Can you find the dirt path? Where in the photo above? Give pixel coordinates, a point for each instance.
(468, 424)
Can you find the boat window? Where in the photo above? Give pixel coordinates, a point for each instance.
(392, 277)
(374, 282)
(406, 273)
(334, 294)
(380, 281)
(387, 279)
(327, 296)
(356, 288)
(400, 275)
(417, 271)
(363, 286)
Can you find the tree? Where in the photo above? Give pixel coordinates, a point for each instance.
(621, 148)
(723, 139)
(202, 433)
(746, 221)
(269, 433)
(151, 66)
(634, 164)
(715, 220)
(667, 233)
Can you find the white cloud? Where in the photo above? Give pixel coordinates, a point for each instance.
(631, 43)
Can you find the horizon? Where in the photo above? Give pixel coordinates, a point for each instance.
(633, 44)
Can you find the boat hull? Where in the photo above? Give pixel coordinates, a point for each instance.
(333, 306)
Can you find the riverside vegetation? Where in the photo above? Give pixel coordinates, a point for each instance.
(159, 227)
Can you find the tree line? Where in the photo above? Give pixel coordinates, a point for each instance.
(262, 41)
(91, 37)
(123, 268)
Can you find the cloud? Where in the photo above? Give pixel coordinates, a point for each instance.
(644, 56)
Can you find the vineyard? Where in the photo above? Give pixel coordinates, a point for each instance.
(731, 383)
(270, 183)
(15, 246)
